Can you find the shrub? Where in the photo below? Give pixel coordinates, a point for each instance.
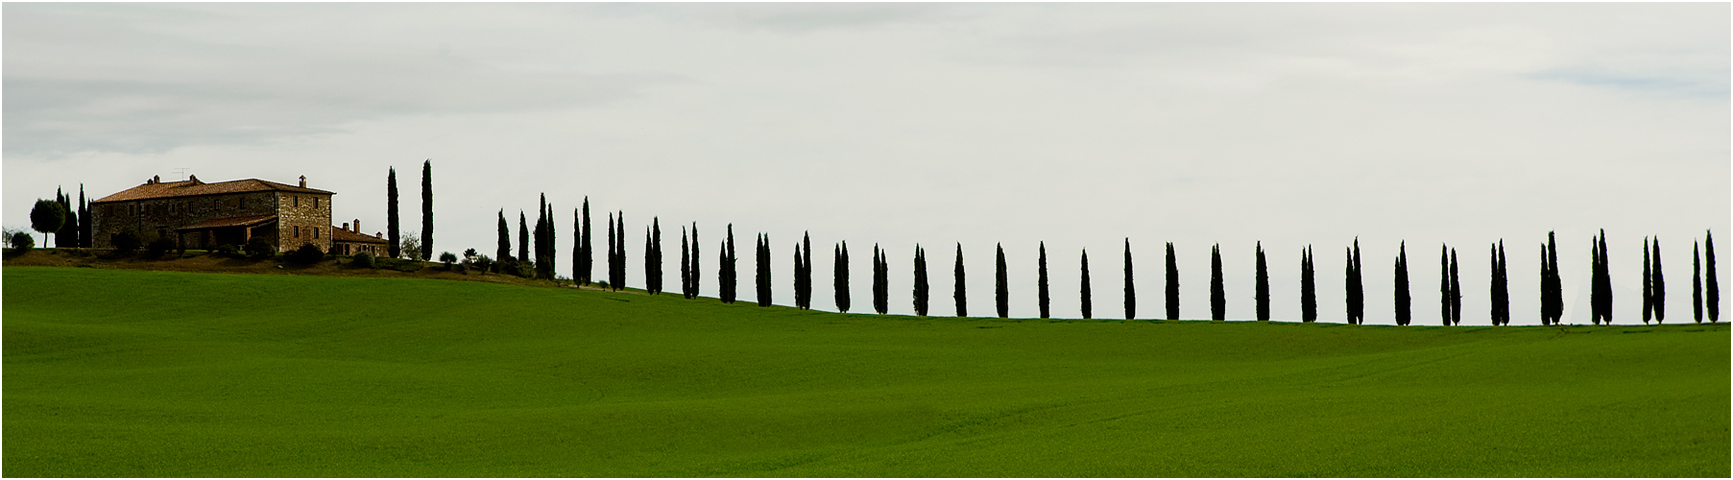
(127, 242)
(525, 269)
(602, 284)
(158, 247)
(21, 241)
(260, 249)
(227, 250)
(469, 255)
(461, 268)
(308, 254)
(363, 260)
(447, 258)
(484, 263)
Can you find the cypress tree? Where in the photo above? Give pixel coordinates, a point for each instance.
(1660, 284)
(1545, 287)
(83, 220)
(920, 292)
(612, 281)
(841, 283)
(695, 257)
(797, 271)
(587, 251)
(1648, 284)
(391, 223)
(620, 249)
(1555, 283)
(725, 268)
(1403, 302)
(1696, 284)
(1712, 293)
(1130, 285)
(1357, 301)
(806, 270)
(656, 262)
(503, 252)
(959, 293)
(650, 264)
(553, 250)
(1041, 296)
(1455, 291)
(1606, 302)
(1001, 293)
(1492, 251)
(1308, 287)
(1444, 284)
(427, 209)
(1263, 286)
(523, 237)
(881, 281)
(68, 235)
(1084, 289)
(1595, 287)
(578, 276)
(1172, 283)
(539, 236)
(685, 265)
(1503, 286)
(763, 264)
(1218, 295)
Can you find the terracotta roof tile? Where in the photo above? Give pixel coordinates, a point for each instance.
(340, 235)
(247, 221)
(194, 187)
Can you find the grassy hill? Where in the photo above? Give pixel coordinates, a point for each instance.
(139, 373)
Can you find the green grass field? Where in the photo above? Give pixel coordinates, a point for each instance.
(132, 373)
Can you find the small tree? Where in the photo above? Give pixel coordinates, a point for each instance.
(20, 241)
(447, 258)
(46, 217)
(411, 246)
(258, 248)
(362, 260)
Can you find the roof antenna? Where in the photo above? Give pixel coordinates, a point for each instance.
(182, 171)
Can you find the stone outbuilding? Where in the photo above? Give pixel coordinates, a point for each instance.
(349, 240)
(203, 215)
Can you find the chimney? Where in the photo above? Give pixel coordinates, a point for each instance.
(357, 226)
(378, 234)
(345, 226)
(303, 181)
(155, 179)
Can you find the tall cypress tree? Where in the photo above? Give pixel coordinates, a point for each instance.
(1172, 284)
(656, 260)
(1041, 296)
(1001, 292)
(84, 233)
(1403, 302)
(1503, 286)
(1660, 283)
(1356, 287)
(1308, 287)
(725, 268)
(763, 264)
(523, 237)
(1218, 295)
(1083, 290)
(650, 265)
(586, 255)
(806, 270)
(503, 251)
(1594, 281)
(685, 265)
(1712, 293)
(1444, 284)
(1555, 282)
(695, 257)
(620, 249)
(881, 281)
(1130, 285)
(841, 283)
(578, 248)
(959, 293)
(67, 235)
(1492, 283)
(1606, 298)
(1262, 291)
(553, 244)
(1696, 284)
(798, 300)
(427, 209)
(920, 292)
(540, 250)
(613, 283)
(391, 223)
(1648, 284)
(1455, 291)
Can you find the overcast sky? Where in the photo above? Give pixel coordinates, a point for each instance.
(1081, 125)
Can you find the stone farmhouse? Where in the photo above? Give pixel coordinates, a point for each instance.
(195, 214)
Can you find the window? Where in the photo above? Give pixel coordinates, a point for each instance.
(297, 231)
(242, 202)
(315, 202)
(297, 200)
(315, 232)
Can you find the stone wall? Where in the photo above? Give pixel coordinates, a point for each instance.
(151, 217)
(303, 218)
